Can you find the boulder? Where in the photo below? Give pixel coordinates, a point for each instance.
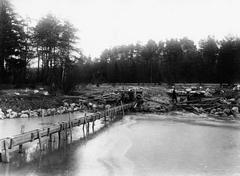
(65, 104)
(33, 114)
(9, 111)
(235, 110)
(73, 105)
(201, 109)
(108, 106)
(24, 116)
(237, 116)
(227, 111)
(48, 112)
(13, 114)
(219, 109)
(36, 91)
(232, 100)
(25, 112)
(213, 111)
(76, 109)
(2, 115)
(224, 115)
(218, 113)
(238, 101)
(59, 111)
(70, 109)
(53, 111)
(45, 93)
(101, 106)
(39, 112)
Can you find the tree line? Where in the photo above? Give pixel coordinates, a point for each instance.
(171, 61)
(61, 65)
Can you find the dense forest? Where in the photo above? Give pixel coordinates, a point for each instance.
(61, 65)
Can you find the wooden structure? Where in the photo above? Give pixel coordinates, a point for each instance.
(59, 129)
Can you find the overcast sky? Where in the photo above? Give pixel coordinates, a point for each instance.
(106, 23)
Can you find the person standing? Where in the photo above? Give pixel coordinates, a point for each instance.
(174, 95)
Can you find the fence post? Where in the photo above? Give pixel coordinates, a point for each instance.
(66, 131)
(39, 139)
(5, 154)
(93, 123)
(84, 125)
(59, 136)
(20, 150)
(122, 108)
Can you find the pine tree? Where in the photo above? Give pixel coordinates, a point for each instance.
(11, 39)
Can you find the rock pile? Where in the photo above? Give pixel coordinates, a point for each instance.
(217, 107)
(65, 108)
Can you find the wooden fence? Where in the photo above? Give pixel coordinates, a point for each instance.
(18, 140)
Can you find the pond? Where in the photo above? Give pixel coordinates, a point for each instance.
(140, 145)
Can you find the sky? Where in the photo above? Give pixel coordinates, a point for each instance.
(103, 24)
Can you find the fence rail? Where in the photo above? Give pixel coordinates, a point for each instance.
(19, 140)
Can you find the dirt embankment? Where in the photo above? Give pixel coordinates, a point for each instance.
(15, 103)
(23, 103)
(213, 101)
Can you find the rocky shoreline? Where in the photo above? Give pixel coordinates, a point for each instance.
(218, 103)
(41, 112)
(154, 100)
(34, 103)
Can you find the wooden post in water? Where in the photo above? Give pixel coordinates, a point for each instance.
(122, 108)
(42, 113)
(54, 142)
(50, 141)
(105, 119)
(59, 136)
(84, 125)
(109, 114)
(93, 123)
(20, 149)
(66, 131)
(49, 135)
(70, 127)
(87, 125)
(39, 139)
(5, 153)
(113, 114)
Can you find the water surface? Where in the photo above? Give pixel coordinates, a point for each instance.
(140, 145)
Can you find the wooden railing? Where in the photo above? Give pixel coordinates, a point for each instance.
(18, 140)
